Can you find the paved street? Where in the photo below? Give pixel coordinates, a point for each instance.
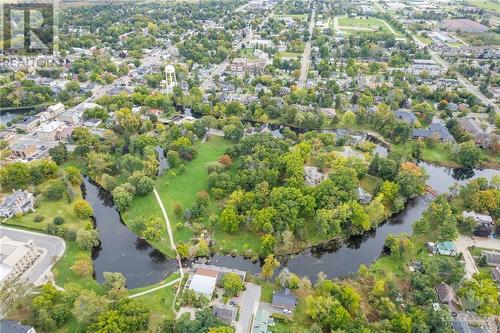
(463, 243)
(306, 56)
(249, 306)
(53, 249)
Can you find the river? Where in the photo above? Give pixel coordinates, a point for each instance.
(337, 260)
(120, 249)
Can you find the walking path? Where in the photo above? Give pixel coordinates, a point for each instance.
(155, 288)
(167, 220)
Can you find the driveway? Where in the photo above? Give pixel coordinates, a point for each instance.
(249, 305)
(53, 248)
(464, 242)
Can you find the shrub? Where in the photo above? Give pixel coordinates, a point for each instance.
(55, 190)
(38, 218)
(58, 220)
(82, 208)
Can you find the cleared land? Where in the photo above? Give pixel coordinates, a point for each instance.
(486, 4)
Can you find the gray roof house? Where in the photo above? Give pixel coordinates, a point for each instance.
(225, 313)
(17, 202)
(284, 300)
(13, 326)
(436, 130)
(492, 258)
(405, 115)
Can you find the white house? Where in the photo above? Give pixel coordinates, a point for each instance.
(479, 218)
(203, 282)
(48, 131)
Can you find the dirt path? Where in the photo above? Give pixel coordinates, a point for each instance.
(155, 288)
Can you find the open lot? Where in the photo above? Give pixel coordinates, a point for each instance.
(486, 4)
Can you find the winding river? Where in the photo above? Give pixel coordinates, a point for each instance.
(120, 249)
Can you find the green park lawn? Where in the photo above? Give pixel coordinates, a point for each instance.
(174, 187)
(365, 23)
(486, 4)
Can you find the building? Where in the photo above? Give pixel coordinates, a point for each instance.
(447, 295)
(93, 122)
(406, 115)
(14, 326)
(312, 176)
(471, 126)
(18, 202)
(479, 218)
(435, 130)
(48, 131)
(29, 124)
(262, 322)
(24, 149)
(495, 271)
(8, 137)
(70, 116)
(492, 258)
(284, 300)
(225, 313)
(446, 248)
(461, 326)
(56, 109)
(203, 282)
(16, 258)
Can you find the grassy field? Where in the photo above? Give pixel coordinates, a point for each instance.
(49, 209)
(290, 55)
(369, 183)
(178, 187)
(366, 24)
(299, 17)
(486, 4)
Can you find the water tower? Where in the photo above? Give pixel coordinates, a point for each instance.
(170, 79)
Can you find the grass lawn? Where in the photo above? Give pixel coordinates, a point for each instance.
(364, 24)
(289, 55)
(63, 274)
(49, 209)
(369, 183)
(267, 292)
(425, 40)
(160, 304)
(300, 17)
(440, 154)
(486, 4)
(178, 187)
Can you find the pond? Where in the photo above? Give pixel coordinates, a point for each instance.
(120, 250)
(341, 259)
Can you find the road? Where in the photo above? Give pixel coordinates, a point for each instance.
(463, 243)
(53, 249)
(249, 306)
(306, 55)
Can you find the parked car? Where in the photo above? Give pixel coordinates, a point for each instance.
(287, 311)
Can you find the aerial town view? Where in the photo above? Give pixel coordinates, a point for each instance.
(250, 166)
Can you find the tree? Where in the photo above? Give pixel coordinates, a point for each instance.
(230, 220)
(114, 280)
(82, 208)
(73, 175)
(153, 229)
(142, 183)
(267, 243)
(59, 153)
(99, 164)
(55, 190)
(87, 239)
(15, 175)
(270, 264)
(88, 306)
(82, 266)
(232, 284)
(468, 154)
(348, 119)
(122, 197)
(173, 158)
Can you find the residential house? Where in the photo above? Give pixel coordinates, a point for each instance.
(14, 326)
(65, 134)
(262, 322)
(8, 137)
(492, 258)
(446, 248)
(203, 282)
(17, 202)
(495, 271)
(93, 122)
(226, 313)
(48, 131)
(447, 295)
(435, 130)
(17, 258)
(406, 115)
(479, 218)
(284, 299)
(312, 176)
(471, 126)
(70, 117)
